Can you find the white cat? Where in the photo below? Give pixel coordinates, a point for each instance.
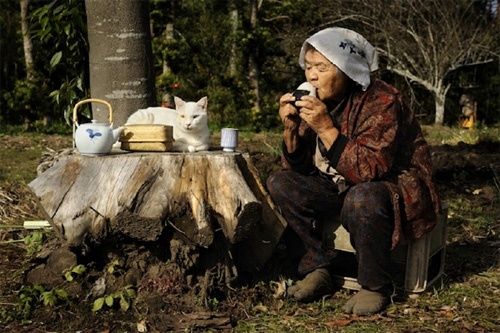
(189, 121)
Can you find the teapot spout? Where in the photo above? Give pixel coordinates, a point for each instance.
(117, 132)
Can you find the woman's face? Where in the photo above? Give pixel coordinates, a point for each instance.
(331, 83)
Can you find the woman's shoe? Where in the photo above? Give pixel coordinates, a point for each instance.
(314, 286)
(368, 301)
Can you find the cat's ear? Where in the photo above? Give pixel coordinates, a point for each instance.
(178, 102)
(203, 102)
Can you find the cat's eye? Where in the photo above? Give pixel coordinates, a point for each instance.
(183, 116)
(195, 116)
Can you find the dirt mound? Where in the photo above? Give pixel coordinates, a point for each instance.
(479, 161)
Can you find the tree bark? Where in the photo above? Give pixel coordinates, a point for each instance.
(27, 44)
(28, 56)
(120, 56)
(169, 36)
(234, 19)
(253, 67)
(440, 101)
(140, 195)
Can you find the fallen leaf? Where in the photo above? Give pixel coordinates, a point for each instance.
(280, 291)
(409, 311)
(260, 308)
(142, 327)
(339, 323)
(374, 317)
(448, 314)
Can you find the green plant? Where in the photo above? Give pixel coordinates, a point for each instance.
(69, 273)
(26, 101)
(213, 303)
(34, 241)
(114, 267)
(124, 297)
(52, 297)
(60, 28)
(29, 298)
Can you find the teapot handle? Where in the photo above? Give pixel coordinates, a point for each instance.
(90, 100)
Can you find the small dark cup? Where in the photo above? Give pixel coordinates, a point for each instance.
(298, 95)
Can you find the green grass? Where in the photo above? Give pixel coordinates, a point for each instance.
(19, 165)
(439, 135)
(20, 153)
(452, 307)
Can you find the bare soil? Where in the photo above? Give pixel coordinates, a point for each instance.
(171, 295)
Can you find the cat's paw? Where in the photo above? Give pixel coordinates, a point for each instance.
(191, 149)
(202, 147)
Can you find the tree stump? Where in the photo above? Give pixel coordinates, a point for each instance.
(142, 194)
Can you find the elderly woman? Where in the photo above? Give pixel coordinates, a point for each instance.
(355, 151)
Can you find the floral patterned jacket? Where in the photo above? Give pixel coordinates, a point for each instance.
(380, 140)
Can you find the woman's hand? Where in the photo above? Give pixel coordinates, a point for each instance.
(291, 120)
(315, 113)
(288, 113)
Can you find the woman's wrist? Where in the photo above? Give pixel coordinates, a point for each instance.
(291, 139)
(328, 137)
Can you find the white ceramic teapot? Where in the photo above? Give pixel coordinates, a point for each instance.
(95, 138)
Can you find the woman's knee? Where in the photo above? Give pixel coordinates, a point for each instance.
(275, 182)
(368, 212)
(279, 184)
(368, 203)
(367, 196)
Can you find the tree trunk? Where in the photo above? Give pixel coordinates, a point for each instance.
(27, 44)
(120, 56)
(142, 195)
(28, 57)
(169, 36)
(234, 19)
(253, 67)
(440, 102)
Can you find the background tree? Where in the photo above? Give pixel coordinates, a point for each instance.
(199, 55)
(58, 53)
(425, 41)
(11, 61)
(253, 67)
(22, 91)
(205, 48)
(59, 31)
(120, 56)
(27, 43)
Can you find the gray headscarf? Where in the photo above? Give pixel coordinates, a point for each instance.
(347, 50)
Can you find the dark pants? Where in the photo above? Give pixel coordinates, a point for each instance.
(365, 210)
